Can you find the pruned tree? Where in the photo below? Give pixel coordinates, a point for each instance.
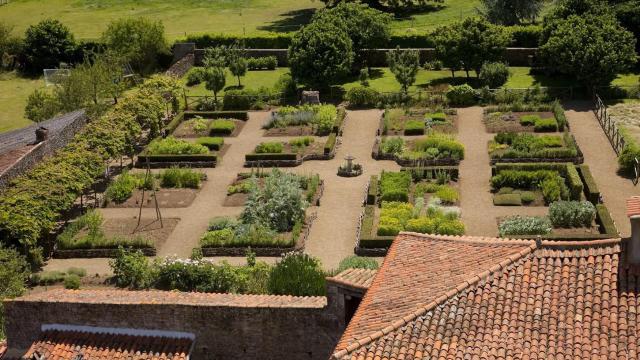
(511, 12)
(404, 65)
(237, 61)
(215, 80)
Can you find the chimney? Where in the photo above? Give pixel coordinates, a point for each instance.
(42, 134)
(633, 246)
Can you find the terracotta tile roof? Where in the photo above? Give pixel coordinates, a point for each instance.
(633, 206)
(68, 345)
(357, 278)
(439, 264)
(3, 348)
(564, 300)
(173, 297)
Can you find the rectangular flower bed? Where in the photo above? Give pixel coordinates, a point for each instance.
(433, 150)
(238, 191)
(211, 123)
(527, 147)
(525, 118)
(411, 122)
(170, 152)
(320, 120)
(292, 152)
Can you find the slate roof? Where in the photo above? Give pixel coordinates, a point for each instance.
(172, 297)
(69, 345)
(356, 278)
(563, 300)
(633, 206)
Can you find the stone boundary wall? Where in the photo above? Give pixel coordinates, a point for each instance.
(235, 327)
(56, 140)
(378, 57)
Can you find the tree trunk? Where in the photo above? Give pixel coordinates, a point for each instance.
(467, 71)
(239, 81)
(453, 74)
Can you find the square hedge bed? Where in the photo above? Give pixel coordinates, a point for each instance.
(544, 118)
(421, 200)
(416, 121)
(194, 124)
(528, 147)
(305, 120)
(436, 149)
(293, 152)
(173, 152)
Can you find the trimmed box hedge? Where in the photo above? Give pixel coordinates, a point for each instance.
(271, 157)
(590, 187)
(507, 200)
(330, 145)
(143, 157)
(603, 218)
(239, 115)
(372, 193)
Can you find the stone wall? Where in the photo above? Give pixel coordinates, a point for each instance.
(237, 327)
(377, 57)
(71, 124)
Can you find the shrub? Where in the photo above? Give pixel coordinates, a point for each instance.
(41, 105)
(558, 113)
(72, 282)
(505, 137)
(180, 178)
(47, 44)
(551, 190)
(222, 127)
(451, 227)
(363, 97)
(525, 225)
(462, 95)
(529, 120)
(527, 197)
(392, 145)
(297, 274)
(445, 145)
(394, 186)
(447, 194)
(215, 238)
(414, 127)
(212, 143)
(173, 146)
(262, 63)
(131, 269)
(546, 125)
(122, 187)
(272, 147)
(494, 75)
(423, 225)
(195, 76)
(507, 200)
(357, 262)
(572, 214)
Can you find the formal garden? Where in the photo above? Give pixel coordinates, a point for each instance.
(257, 172)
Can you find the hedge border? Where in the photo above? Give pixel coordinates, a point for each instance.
(96, 253)
(591, 190)
(236, 115)
(567, 170)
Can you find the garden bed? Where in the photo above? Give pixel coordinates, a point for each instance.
(167, 198)
(173, 152)
(525, 118)
(292, 153)
(305, 120)
(199, 127)
(433, 150)
(238, 190)
(527, 147)
(415, 122)
(102, 237)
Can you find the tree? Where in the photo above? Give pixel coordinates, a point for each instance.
(404, 65)
(215, 57)
(592, 48)
(471, 43)
(390, 5)
(215, 80)
(47, 44)
(367, 28)
(236, 59)
(41, 105)
(566, 8)
(511, 12)
(14, 273)
(320, 53)
(10, 46)
(138, 41)
(628, 14)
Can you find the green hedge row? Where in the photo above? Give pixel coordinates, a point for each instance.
(368, 239)
(590, 187)
(603, 218)
(566, 170)
(522, 36)
(330, 144)
(271, 157)
(142, 158)
(372, 193)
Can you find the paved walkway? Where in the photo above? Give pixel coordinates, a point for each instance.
(602, 161)
(478, 212)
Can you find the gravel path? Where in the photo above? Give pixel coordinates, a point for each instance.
(602, 161)
(478, 212)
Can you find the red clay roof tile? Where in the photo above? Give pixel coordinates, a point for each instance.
(357, 278)
(68, 345)
(561, 301)
(633, 206)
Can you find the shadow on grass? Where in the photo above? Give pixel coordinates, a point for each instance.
(409, 12)
(289, 21)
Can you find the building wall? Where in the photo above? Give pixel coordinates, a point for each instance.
(222, 332)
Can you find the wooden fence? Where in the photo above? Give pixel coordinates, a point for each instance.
(609, 126)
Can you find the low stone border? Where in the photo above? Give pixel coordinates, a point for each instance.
(182, 164)
(262, 251)
(95, 253)
(290, 163)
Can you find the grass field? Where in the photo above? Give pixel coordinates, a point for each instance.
(14, 91)
(88, 18)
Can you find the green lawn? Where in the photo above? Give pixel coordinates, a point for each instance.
(14, 91)
(450, 11)
(253, 80)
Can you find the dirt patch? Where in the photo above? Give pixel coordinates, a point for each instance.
(510, 122)
(235, 200)
(290, 131)
(167, 198)
(150, 229)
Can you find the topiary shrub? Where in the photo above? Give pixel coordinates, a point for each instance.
(494, 75)
(297, 274)
(357, 262)
(525, 225)
(569, 214)
(195, 76)
(462, 95)
(222, 127)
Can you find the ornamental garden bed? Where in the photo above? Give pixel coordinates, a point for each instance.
(527, 147)
(535, 184)
(412, 122)
(199, 127)
(305, 120)
(421, 200)
(91, 235)
(274, 220)
(238, 191)
(173, 152)
(292, 152)
(174, 188)
(435, 149)
(525, 118)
